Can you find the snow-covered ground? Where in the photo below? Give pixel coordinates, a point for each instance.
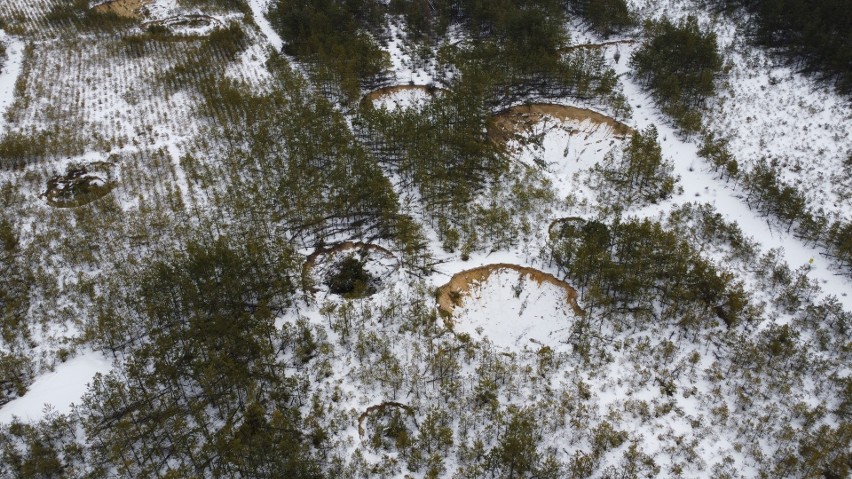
(405, 67)
(769, 111)
(9, 74)
(653, 383)
(700, 184)
(403, 98)
(514, 311)
(57, 390)
(258, 10)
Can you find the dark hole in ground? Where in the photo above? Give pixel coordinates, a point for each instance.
(348, 278)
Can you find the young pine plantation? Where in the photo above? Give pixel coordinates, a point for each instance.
(423, 239)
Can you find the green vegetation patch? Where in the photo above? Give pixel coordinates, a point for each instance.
(388, 426)
(349, 278)
(351, 270)
(605, 16)
(679, 62)
(638, 267)
(810, 32)
(638, 174)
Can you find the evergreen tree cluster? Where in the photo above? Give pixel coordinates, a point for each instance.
(516, 53)
(638, 174)
(606, 17)
(771, 195)
(636, 266)
(442, 149)
(194, 289)
(679, 63)
(513, 48)
(813, 34)
(337, 38)
(293, 163)
(203, 392)
(16, 369)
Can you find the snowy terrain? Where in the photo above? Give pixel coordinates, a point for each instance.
(769, 111)
(679, 397)
(514, 311)
(9, 75)
(57, 390)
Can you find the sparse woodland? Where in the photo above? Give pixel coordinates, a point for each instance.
(255, 249)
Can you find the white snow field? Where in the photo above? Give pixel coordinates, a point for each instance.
(9, 74)
(57, 390)
(514, 311)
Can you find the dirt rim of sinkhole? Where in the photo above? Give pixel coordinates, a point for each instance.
(507, 124)
(381, 409)
(452, 294)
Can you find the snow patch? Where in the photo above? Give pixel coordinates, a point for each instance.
(59, 389)
(9, 73)
(514, 311)
(258, 10)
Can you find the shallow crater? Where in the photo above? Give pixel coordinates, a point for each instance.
(350, 269)
(80, 185)
(509, 304)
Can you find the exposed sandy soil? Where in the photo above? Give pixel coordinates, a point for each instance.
(123, 8)
(506, 124)
(452, 294)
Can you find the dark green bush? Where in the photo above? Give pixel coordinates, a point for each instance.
(679, 64)
(605, 16)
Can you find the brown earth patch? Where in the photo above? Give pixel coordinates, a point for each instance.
(123, 8)
(452, 294)
(506, 124)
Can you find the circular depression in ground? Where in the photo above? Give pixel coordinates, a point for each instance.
(350, 269)
(80, 185)
(514, 306)
(561, 140)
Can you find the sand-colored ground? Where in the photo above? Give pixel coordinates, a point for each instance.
(123, 8)
(452, 294)
(506, 124)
